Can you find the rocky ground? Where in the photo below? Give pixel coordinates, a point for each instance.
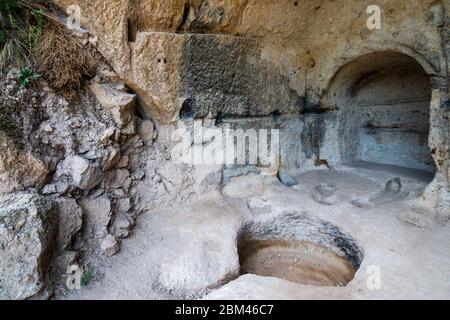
(174, 253)
(93, 185)
(92, 161)
(92, 179)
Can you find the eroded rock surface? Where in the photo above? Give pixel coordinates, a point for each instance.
(28, 226)
(339, 93)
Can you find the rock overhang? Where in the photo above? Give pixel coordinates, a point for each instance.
(211, 74)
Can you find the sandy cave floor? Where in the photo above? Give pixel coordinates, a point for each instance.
(411, 250)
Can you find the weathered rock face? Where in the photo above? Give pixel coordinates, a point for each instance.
(19, 168)
(192, 76)
(98, 215)
(209, 259)
(121, 104)
(306, 41)
(70, 222)
(85, 175)
(28, 225)
(89, 156)
(251, 58)
(109, 245)
(309, 68)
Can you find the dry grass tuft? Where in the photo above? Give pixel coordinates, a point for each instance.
(8, 54)
(63, 60)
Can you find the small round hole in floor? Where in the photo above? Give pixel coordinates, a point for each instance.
(299, 248)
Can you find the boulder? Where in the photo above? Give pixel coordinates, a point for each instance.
(109, 245)
(118, 179)
(97, 212)
(85, 175)
(28, 225)
(259, 206)
(122, 226)
(70, 221)
(286, 179)
(124, 204)
(146, 131)
(205, 258)
(19, 168)
(394, 185)
(324, 194)
(111, 158)
(121, 104)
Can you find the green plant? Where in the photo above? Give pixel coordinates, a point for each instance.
(2, 37)
(26, 75)
(36, 30)
(86, 278)
(33, 38)
(22, 23)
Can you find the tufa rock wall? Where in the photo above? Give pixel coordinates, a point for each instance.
(250, 58)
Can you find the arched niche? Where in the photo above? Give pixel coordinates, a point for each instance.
(382, 103)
